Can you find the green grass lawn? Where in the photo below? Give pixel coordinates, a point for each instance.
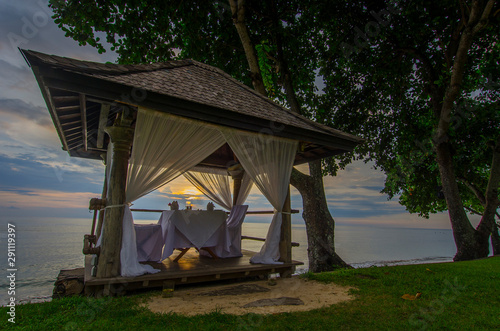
(455, 296)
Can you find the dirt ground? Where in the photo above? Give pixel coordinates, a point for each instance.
(230, 299)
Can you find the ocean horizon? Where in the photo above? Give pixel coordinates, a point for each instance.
(44, 246)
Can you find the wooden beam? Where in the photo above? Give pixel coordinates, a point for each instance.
(103, 121)
(51, 107)
(83, 111)
(69, 116)
(294, 244)
(256, 212)
(285, 244)
(65, 98)
(253, 212)
(68, 108)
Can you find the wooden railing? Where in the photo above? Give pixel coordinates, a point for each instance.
(294, 244)
(249, 212)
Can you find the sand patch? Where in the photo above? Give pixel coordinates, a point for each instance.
(193, 301)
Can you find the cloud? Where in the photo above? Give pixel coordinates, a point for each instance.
(36, 198)
(26, 172)
(28, 25)
(26, 112)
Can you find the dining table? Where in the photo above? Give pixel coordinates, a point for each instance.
(183, 229)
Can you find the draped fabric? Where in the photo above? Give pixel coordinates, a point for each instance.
(164, 147)
(130, 266)
(268, 160)
(214, 185)
(246, 186)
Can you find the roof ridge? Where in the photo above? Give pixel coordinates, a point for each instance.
(320, 126)
(108, 68)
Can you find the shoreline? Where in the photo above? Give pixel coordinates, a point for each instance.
(298, 272)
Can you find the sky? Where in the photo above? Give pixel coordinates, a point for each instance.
(39, 179)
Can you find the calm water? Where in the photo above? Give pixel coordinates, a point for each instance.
(45, 246)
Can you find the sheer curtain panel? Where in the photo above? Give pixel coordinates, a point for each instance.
(268, 160)
(164, 147)
(214, 185)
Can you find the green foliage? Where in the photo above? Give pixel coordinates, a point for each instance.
(460, 295)
(380, 67)
(386, 68)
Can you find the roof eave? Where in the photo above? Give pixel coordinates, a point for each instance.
(71, 81)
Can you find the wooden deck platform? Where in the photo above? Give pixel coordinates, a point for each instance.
(191, 268)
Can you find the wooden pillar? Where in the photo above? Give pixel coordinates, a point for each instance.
(236, 187)
(109, 259)
(286, 231)
(103, 196)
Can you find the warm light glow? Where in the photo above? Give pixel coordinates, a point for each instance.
(189, 191)
(45, 198)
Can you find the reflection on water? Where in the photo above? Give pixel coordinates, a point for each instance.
(45, 246)
(367, 246)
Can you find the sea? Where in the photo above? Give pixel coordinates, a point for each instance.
(44, 246)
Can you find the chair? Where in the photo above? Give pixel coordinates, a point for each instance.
(149, 241)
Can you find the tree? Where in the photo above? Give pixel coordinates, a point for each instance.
(419, 76)
(143, 31)
(417, 80)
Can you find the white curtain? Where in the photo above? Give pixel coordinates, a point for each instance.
(268, 160)
(246, 186)
(164, 147)
(214, 185)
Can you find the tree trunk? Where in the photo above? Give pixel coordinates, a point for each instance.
(320, 225)
(238, 11)
(470, 243)
(495, 240)
(487, 225)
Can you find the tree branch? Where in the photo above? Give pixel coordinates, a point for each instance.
(473, 211)
(484, 17)
(477, 192)
(474, 25)
(238, 11)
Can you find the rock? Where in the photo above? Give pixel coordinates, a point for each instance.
(283, 301)
(69, 283)
(237, 290)
(272, 282)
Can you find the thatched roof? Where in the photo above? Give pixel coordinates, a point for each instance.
(84, 97)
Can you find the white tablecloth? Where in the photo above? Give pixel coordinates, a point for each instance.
(192, 228)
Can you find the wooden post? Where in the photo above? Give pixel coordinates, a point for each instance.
(103, 196)
(236, 187)
(109, 259)
(286, 231)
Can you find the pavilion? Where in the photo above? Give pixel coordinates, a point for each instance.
(155, 122)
